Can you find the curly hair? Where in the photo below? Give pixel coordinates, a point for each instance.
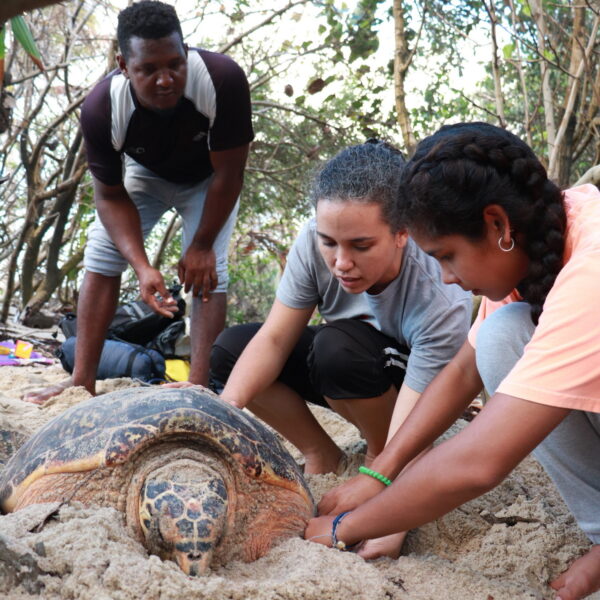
(147, 19)
(368, 173)
(462, 168)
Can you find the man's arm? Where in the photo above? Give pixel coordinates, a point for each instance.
(121, 219)
(197, 267)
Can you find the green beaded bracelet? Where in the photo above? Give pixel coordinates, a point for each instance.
(375, 474)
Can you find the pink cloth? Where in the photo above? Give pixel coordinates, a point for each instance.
(13, 361)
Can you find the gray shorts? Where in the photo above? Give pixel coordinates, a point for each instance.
(153, 196)
(570, 452)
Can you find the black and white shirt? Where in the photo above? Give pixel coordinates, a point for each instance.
(214, 114)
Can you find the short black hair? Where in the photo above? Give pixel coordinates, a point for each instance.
(147, 19)
(367, 173)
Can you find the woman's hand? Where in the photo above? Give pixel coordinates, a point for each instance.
(319, 530)
(231, 400)
(349, 495)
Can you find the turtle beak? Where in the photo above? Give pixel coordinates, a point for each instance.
(192, 562)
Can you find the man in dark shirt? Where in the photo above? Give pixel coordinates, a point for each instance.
(170, 128)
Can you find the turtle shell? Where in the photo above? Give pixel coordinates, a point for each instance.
(107, 430)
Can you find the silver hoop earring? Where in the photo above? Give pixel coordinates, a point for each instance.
(512, 244)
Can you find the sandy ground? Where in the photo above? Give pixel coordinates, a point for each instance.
(505, 545)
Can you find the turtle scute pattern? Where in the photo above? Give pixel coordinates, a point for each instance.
(199, 481)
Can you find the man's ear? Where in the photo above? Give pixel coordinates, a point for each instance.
(122, 65)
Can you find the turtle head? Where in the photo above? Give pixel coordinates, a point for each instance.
(183, 513)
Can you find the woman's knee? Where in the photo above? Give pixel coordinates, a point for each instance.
(226, 350)
(342, 364)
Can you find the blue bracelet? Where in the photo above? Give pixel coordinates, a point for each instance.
(335, 543)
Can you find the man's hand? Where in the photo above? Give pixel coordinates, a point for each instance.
(349, 495)
(197, 271)
(154, 292)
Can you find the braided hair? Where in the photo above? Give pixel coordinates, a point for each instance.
(149, 20)
(462, 168)
(369, 173)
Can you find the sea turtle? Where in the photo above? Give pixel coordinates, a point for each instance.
(199, 481)
(10, 440)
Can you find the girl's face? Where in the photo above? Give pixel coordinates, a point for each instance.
(479, 266)
(358, 246)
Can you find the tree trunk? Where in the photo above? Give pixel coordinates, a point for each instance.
(547, 95)
(402, 60)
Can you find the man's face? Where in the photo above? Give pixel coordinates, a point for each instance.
(157, 70)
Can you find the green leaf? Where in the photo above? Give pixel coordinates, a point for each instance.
(2, 42)
(23, 36)
(508, 51)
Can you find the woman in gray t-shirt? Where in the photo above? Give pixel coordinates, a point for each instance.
(390, 324)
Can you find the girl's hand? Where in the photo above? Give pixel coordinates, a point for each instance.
(230, 400)
(319, 530)
(349, 495)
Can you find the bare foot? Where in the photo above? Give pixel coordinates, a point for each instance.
(581, 579)
(42, 396)
(389, 545)
(328, 463)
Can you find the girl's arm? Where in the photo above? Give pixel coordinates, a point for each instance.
(442, 402)
(263, 358)
(460, 469)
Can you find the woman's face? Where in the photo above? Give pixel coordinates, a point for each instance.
(479, 266)
(358, 246)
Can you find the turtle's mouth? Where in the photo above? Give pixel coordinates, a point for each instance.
(190, 561)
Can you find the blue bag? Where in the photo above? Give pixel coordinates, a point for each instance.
(119, 359)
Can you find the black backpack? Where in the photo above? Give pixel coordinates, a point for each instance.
(134, 322)
(137, 342)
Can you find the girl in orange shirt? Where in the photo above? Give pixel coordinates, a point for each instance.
(479, 201)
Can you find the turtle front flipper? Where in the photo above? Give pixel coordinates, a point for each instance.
(183, 513)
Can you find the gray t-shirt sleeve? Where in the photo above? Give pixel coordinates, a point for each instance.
(434, 341)
(429, 317)
(298, 287)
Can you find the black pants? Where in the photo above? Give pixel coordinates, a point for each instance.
(342, 360)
